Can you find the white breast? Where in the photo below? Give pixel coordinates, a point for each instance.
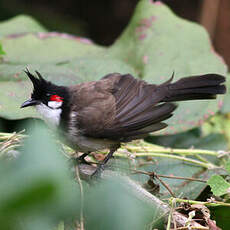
(51, 116)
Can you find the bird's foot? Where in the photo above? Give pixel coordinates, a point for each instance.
(97, 173)
(81, 159)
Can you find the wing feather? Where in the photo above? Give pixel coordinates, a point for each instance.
(137, 110)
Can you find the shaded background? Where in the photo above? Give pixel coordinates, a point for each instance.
(104, 20)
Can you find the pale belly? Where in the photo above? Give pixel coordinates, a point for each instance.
(82, 143)
(88, 144)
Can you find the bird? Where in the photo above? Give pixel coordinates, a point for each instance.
(118, 108)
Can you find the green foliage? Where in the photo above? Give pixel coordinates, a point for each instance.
(222, 216)
(36, 187)
(19, 25)
(112, 205)
(219, 185)
(185, 140)
(148, 48)
(220, 124)
(61, 226)
(38, 192)
(1, 50)
(227, 166)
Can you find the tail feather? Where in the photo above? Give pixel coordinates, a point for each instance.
(195, 88)
(199, 81)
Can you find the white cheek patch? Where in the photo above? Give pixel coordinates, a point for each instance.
(52, 116)
(54, 104)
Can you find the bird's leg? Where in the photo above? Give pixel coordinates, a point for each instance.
(81, 159)
(100, 167)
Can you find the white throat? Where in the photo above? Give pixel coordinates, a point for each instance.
(51, 116)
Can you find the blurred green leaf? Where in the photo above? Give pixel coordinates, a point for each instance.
(60, 226)
(191, 139)
(45, 48)
(34, 223)
(37, 186)
(19, 25)
(112, 205)
(220, 123)
(38, 191)
(221, 216)
(1, 50)
(147, 48)
(219, 185)
(227, 166)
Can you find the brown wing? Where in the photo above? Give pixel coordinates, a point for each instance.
(120, 107)
(94, 105)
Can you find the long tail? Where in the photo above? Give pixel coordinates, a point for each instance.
(194, 88)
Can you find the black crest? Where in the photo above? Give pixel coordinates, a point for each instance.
(43, 88)
(36, 81)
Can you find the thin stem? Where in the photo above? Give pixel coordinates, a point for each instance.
(189, 160)
(201, 158)
(166, 186)
(182, 178)
(211, 204)
(82, 197)
(10, 141)
(9, 135)
(159, 149)
(169, 219)
(171, 214)
(193, 227)
(167, 176)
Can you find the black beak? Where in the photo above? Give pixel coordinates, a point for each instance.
(30, 102)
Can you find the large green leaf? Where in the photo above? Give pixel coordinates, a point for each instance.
(155, 44)
(45, 48)
(18, 25)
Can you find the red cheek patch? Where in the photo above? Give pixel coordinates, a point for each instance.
(56, 98)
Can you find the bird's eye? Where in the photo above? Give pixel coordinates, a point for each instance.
(48, 94)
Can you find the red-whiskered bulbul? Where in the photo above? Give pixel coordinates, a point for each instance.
(118, 108)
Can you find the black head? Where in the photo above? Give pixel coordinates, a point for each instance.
(44, 91)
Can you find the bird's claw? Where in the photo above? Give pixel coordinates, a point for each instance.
(81, 160)
(97, 173)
